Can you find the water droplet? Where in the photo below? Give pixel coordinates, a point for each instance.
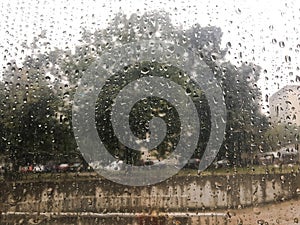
(281, 44)
(125, 68)
(228, 44)
(288, 58)
(145, 70)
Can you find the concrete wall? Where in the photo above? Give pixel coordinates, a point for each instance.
(176, 194)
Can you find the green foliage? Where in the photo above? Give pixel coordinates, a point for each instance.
(37, 98)
(147, 108)
(281, 135)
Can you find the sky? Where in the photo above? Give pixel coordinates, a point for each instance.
(264, 32)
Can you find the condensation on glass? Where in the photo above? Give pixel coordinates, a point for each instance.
(126, 112)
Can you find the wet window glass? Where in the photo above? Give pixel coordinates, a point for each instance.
(149, 112)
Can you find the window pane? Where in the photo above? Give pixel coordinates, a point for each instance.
(144, 112)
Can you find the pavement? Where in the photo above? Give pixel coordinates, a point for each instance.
(283, 213)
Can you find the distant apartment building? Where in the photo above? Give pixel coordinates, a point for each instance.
(285, 105)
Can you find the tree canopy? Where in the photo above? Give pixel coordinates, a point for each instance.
(37, 98)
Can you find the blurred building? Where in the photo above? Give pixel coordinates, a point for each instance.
(285, 105)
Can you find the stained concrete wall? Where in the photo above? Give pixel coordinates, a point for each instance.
(176, 194)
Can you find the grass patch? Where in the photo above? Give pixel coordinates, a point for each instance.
(68, 176)
(251, 170)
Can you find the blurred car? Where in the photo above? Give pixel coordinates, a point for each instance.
(39, 168)
(148, 163)
(96, 165)
(76, 167)
(51, 166)
(63, 167)
(192, 163)
(24, 169)
(2, 169)
(116, 165)
(222, 163)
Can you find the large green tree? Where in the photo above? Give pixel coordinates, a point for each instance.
(45, 85)
(245, 123)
